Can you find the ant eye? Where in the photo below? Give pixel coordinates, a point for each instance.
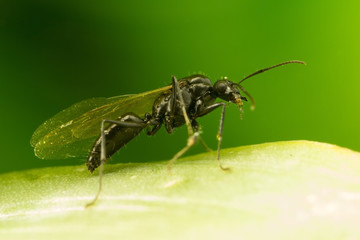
(220, 86)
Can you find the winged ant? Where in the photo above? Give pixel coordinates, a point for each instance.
(123, 118)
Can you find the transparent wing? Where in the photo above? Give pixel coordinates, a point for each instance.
(71, 132)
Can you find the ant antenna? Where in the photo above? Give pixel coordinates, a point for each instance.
(265, 69)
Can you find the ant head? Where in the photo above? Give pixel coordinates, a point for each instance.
(228, 91)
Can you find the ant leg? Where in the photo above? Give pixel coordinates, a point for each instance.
(219, 135)
(177, 91)
(193, 136)
(205, 145)
(195, 126)
(137, 123)
(151, 132)
(191, 141)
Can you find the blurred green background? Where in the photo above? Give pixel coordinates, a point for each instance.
(56, 53)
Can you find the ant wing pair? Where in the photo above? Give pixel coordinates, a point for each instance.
(71, 132)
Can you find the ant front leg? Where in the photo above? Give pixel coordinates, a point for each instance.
(193, 136)
(219, 135)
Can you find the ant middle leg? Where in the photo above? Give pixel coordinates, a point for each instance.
(195, 126)
(193, 136)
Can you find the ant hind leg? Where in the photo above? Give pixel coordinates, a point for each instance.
(127, 122)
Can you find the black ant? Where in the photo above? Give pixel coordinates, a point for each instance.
(181, 103)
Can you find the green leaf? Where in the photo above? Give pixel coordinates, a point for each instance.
(281, 190)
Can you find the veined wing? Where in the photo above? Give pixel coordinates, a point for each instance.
(71, 132)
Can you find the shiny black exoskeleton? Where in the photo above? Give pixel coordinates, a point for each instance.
(187, 99)
(198, 94)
